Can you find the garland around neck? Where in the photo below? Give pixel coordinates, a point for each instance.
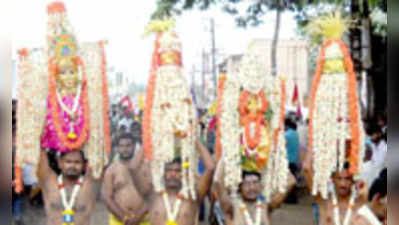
(349, 211)
(68, 205)
(248, 218)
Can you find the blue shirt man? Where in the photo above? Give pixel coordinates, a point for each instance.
(292, 144)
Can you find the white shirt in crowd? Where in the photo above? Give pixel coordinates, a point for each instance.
(379, 154)
(127, 122)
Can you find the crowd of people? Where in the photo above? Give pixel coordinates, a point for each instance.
(132, 201)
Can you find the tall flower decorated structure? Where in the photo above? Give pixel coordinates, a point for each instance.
(62, 97)
(250, 129)
(169, 122)
(336, 133)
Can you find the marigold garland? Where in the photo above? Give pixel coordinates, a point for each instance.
(353, 110)
(353, 102)
(55, 111)
(107, 132)
(146, 127)
(218, 142)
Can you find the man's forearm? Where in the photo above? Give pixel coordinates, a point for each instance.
(205, 156)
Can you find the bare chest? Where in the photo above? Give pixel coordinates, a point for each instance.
(251, 217)
(83, 203)
(187, 213)
(328, 216)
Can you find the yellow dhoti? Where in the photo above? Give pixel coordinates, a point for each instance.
(114, 221)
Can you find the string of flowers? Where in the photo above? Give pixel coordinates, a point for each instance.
(218, 144)
(55, 111)
(353, 110)
(147, 139)
(282, 114)
(107, 132)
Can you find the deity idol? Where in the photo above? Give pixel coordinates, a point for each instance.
(250, 130)
(67, 124)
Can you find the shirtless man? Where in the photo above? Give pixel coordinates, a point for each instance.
(187, 213)
(249, 200)
(343, 182)
(72, 166)
(122, 193)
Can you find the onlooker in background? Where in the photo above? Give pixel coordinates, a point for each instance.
(382, 123)
(16, 198)
(136, 131)
(379, 198)
(380, 149)
(370, 170)
(292, 143)
(127, 121)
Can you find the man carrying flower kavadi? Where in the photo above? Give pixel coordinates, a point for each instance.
(170, 207)
(69, 197)
(336, 134)
(127, 183)
(248, 206)
(57, 114)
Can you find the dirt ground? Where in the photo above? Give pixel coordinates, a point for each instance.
(300, 214)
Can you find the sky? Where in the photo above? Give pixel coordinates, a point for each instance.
(123, 22)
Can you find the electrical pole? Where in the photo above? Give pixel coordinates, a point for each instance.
(213, 53)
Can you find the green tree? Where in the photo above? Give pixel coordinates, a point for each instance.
(254, 14)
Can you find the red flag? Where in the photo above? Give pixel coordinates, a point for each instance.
(295, 95)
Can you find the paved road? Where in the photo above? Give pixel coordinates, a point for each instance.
(300, 214)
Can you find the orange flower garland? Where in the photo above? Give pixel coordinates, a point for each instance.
(353, 110)
(55, 112)
(353, 102)
(146, 127)
(107, 133)
(218, 142)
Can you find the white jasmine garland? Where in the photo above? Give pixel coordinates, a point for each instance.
(248, 217)
(349, 211)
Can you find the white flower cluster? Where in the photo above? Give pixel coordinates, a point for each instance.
(252, 78)
(230, 134)
(380, 21)
(172, 112)
(95, 146)
(275, 176)
(32, 100)
(331, 127)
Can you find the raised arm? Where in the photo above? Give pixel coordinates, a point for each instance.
(43, 170)
(308, 173)
(279, 198)
(206, 179)
(221, 192)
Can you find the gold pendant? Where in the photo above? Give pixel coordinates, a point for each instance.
(72, 135)
(170, 222)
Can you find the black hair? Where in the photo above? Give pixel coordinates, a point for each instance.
(251, 173)
(290, 124)
(346, 167)
(126, 136)
(379, 186)
(176, 160)
(82, 154)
